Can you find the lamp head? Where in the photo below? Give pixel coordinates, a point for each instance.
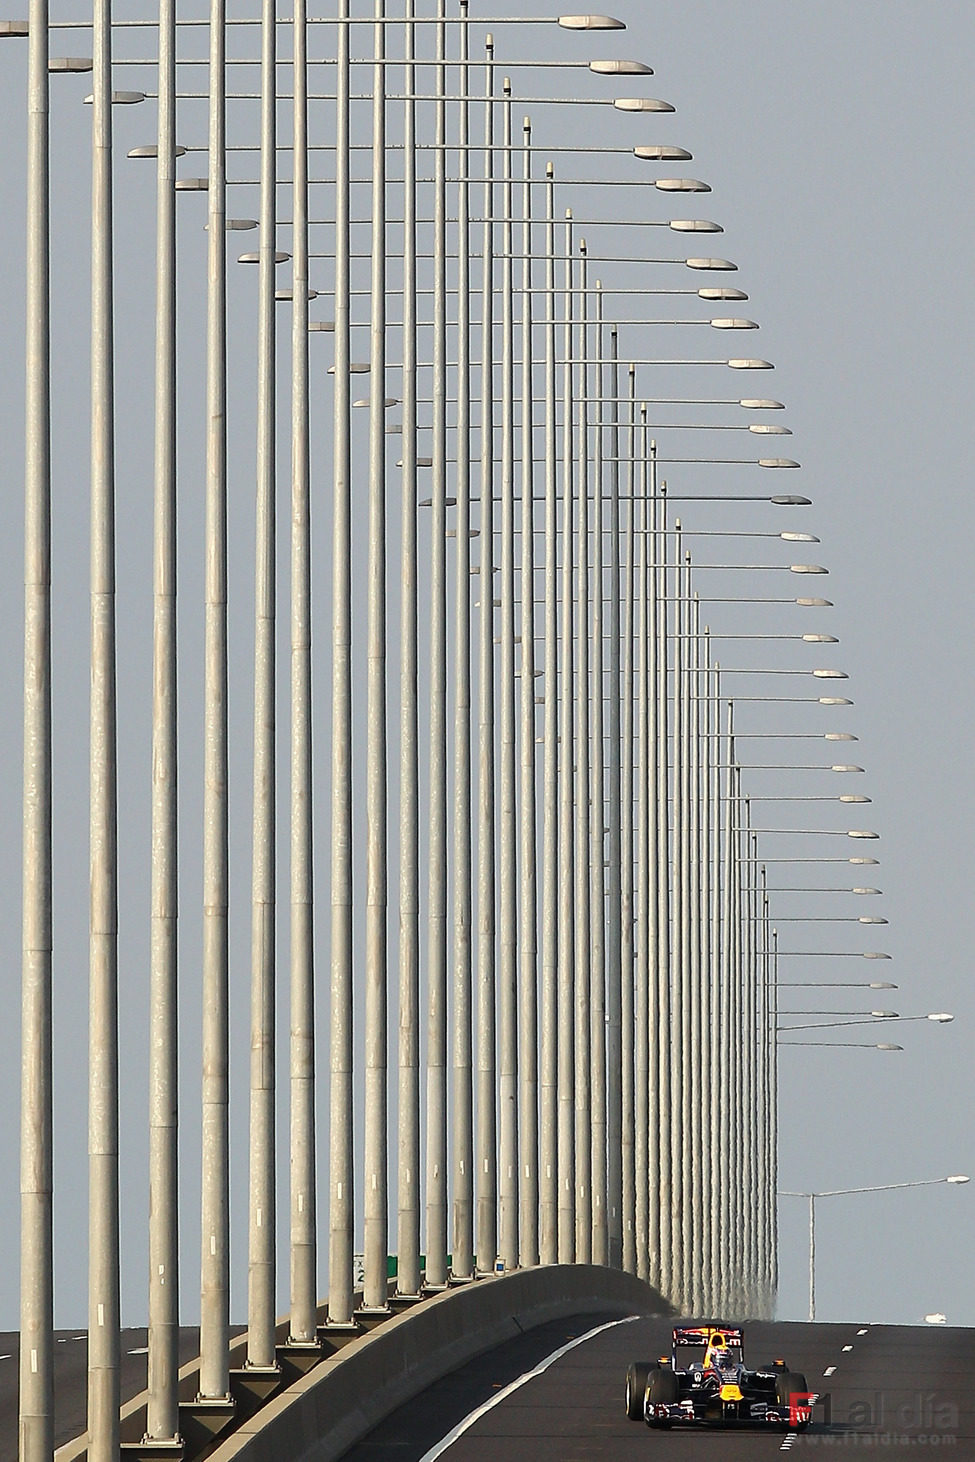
(151, 150)
(719, 264)
(662, 153)
(680, 185)
(694, 226)
(120, 98)
(620, 68)
(591, 22)
(641, 104)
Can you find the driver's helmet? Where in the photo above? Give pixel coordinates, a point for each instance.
(720, 1355)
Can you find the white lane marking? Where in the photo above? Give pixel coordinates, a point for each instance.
(789, 1442)
(847, 1347)
(142, 1350)
(7, 1357)
(861, 1332)
(438, 1448)
(829, 1370)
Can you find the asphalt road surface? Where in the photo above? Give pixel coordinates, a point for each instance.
(885, 1390)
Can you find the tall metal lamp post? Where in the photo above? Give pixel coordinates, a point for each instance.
(841, 1193)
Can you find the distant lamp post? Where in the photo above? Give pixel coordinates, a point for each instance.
(835, 985)
(847, 1045)
(841, 1193)
(941, 1017)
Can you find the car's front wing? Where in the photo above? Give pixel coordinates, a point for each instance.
(749, 1410)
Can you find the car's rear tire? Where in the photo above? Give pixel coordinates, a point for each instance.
(637, 1374)
(663, 1389)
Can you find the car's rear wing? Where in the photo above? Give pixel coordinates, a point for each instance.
(701, 1335)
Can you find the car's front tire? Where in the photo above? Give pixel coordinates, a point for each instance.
(637, 1373)
(663, 1389)
(787, 1385)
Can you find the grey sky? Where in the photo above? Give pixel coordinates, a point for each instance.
(836, 138)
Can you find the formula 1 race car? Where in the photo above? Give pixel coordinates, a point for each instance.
(705, 1379)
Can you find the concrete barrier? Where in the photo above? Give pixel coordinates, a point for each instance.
(325, 1412)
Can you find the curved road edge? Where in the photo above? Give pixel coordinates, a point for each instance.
(324, 1413)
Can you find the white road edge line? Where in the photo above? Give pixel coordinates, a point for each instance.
(438, 1449)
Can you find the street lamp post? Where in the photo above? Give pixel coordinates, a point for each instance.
(661, 849)
(508, 1149)
(597, 839)
(528, 953)
(841, 1193)
(341, 1207)
(162, 1415)
(304, 1205)
(408, 1202)
(36, 1403)
(627, 865)
(697, 950)
(374, 1292)
(941, 1017)
(846, 1045)
(436, 1165)
(262, 1217)
(215, 1257)
(679, 1129)
(104, 1357)
(567, 810)
(486, 1145)
(614, 895)
(643, 863)
(463, 1262)
(583, 987)
(551, 934)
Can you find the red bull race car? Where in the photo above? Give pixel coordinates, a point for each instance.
(705, 1380)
